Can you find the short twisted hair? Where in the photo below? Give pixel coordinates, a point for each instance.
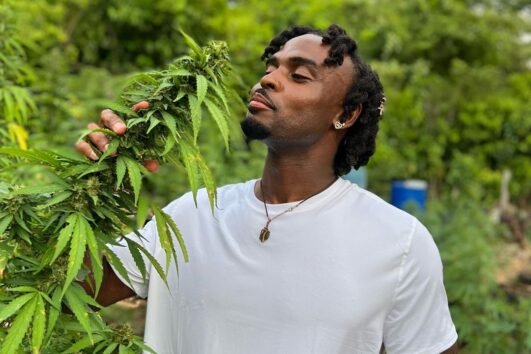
(358, 144)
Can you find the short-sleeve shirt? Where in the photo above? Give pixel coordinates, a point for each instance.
(342, 273)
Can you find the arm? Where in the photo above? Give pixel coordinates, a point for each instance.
(454, 349)
(420, 320)
(112, 288)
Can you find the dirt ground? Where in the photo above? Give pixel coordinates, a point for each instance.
(515, 268)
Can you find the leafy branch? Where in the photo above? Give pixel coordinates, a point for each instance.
(46, 230)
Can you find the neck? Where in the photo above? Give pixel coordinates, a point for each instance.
(296, 175)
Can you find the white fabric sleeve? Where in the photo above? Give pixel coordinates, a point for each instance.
(149, 241)
(419, 321)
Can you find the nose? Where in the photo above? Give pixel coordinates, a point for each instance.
(271, 81)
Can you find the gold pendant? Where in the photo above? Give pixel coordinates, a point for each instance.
(264, 234)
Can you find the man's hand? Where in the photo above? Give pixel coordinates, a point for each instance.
(109, 120)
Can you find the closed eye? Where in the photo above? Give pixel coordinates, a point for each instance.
(269, 69)
(299, 77)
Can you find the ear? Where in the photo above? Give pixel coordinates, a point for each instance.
(353, 116)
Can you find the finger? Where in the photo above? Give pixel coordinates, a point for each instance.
(151, 165)
(112, 121)
(140, 106)
(85, 148)
(98, 139)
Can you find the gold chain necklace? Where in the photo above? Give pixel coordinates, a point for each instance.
(265, 233)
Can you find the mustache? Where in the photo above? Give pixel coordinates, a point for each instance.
(262, 92)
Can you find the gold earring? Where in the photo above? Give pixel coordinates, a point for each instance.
(339, 125)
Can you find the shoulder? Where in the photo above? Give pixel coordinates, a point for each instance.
(378, 207)
(385, 224)
(373, 213)
(234, 192)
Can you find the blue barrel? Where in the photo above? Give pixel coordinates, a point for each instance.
(409, 195)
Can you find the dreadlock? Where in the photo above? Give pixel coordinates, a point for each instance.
(358, 144)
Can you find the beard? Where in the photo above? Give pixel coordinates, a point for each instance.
(253, 129)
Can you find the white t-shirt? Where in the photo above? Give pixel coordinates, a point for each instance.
(341, 273)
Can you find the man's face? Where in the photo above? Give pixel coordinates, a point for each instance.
(298, 98)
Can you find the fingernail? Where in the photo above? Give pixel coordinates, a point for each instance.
(105, 147)
(93, 155)
(119, 128)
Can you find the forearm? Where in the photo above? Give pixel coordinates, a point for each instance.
(454, 349)
(112, 288)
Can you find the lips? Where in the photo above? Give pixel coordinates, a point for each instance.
(259, 101)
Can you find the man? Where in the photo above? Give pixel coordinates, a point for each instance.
(299, 261)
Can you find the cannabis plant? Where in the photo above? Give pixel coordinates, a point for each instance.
(47, 228)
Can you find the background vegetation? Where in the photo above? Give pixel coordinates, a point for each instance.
(457, 79)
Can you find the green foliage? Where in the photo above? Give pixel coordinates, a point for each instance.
(456, 76)
(48, 228)
(450, 78)
(115, 44)
(16, 102)
(487, 319)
